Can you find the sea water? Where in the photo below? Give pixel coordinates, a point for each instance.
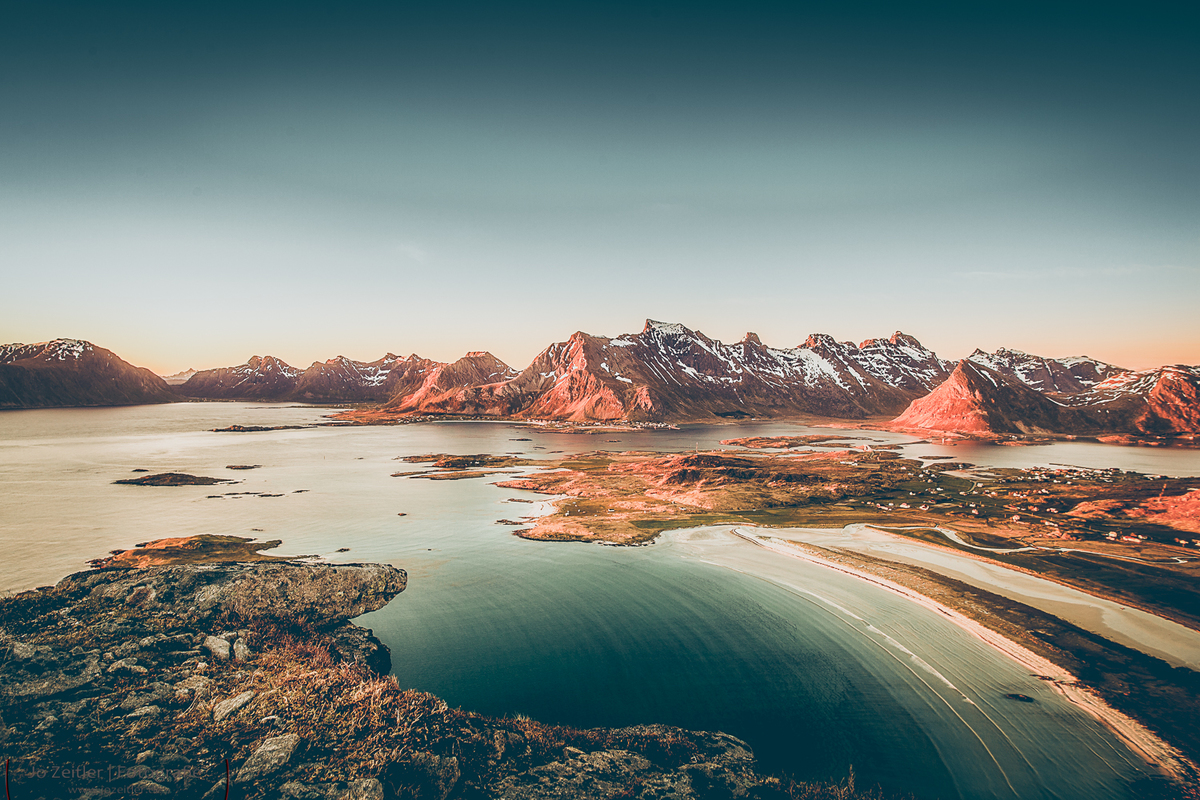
(819, 672)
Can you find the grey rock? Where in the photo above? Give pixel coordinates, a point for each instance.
(365, 789)
(241, 651)
(174, 761)
(301, 791)
(316, 593)
(19, 651)
(313, 791)
(358, 645)
(218, 647)
(127, 665)
(43, 673)
(591, 776)
(144, 711)
(270, 756)
(227, 708)
(154, 694)
(191, 688)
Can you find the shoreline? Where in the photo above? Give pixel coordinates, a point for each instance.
(1085, 588)
(1137, 737)
(204, 677)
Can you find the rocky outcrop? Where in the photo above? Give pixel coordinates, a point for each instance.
(317, 594)
(71, 372)
(194, 681)
(721, 767)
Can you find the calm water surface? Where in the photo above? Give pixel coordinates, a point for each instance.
(816, 670)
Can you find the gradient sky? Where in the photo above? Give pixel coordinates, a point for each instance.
(191, 186)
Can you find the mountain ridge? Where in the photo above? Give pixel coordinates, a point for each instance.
(665, 373)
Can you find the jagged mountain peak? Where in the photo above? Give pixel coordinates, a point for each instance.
(1055, 375)
(818, 340)
(667, 328)
(899, 339)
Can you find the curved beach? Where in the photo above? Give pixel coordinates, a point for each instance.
(1136, 736)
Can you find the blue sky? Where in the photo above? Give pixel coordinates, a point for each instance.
(189, 186)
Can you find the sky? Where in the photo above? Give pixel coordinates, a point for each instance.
(192, 184)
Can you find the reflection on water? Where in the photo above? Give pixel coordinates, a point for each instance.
(816, 670)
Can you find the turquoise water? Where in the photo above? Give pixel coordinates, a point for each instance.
(816, 670)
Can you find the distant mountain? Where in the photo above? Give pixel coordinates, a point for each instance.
(976, 399)
(1062, 375)
(343, 380)
(179, 377)
(665, 373)
(260, 378)
(670, 372)
(72, 372)
(461, 384)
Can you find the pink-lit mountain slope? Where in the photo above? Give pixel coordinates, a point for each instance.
(72, 372)
(978, 400)
(670, 372)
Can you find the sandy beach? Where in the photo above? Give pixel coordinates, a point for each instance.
(1116, 621)
(1136, 736)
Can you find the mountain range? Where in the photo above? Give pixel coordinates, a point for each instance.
(665, 373)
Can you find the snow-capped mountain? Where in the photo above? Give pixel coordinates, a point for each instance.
(72, 372)
(260, 378)
(667, 372)
(58, 350)
(1063, 375)
(344, 380)
(670, 372)
(1162, 401)
(977, 399)
(903, 362)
